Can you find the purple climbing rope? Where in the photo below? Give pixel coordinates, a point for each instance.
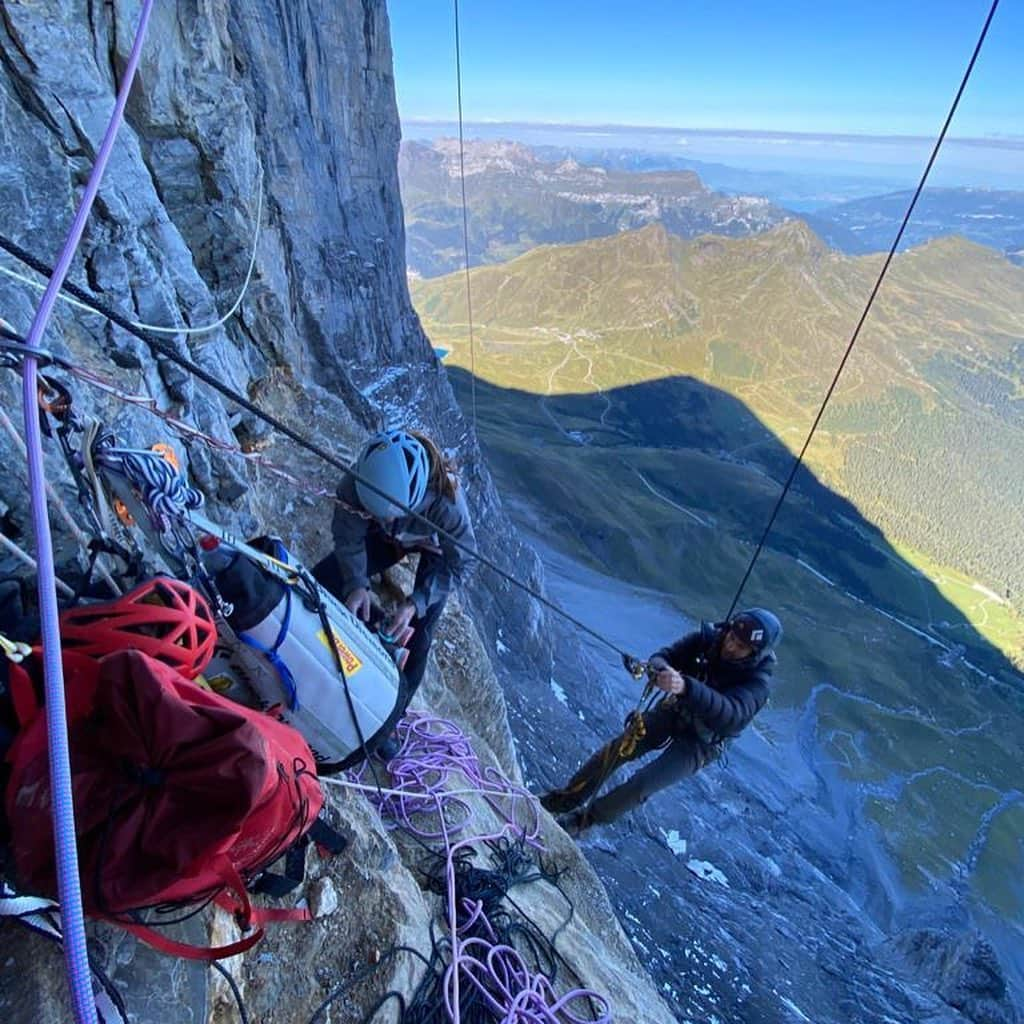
(434, 753)
(68, 884)
(433, 773)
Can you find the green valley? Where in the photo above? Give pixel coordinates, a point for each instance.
(923, 435)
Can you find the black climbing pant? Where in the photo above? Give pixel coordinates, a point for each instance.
(381, 554)
(682, 754)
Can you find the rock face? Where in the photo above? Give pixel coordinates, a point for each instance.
(276, 116)
(965, 972)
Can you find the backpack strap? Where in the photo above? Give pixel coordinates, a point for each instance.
(329, 842)
(43, 917)
(287, 679)
(326, 837)
(235, 900)
(187, 951)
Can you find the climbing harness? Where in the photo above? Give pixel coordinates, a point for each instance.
(615, 752)
(634, 728)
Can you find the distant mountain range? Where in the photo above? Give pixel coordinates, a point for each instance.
(924, 433)
(810, 190)
(520, 197)
(516, 201)
(985, 216)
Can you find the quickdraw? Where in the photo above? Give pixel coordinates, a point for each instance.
(59, 421)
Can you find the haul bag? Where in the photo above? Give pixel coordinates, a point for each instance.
(296, 673)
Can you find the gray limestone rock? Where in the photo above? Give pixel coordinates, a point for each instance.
(278, 115)
(323, 898)
(965, 971)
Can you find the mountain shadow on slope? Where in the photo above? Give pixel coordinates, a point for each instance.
(702, 448)
(892, 696)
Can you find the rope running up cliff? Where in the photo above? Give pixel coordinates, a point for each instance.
(167, 350)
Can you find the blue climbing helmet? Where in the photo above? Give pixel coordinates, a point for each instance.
(759, 628)
(397, 463)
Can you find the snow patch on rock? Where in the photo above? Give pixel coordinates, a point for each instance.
(705, 869)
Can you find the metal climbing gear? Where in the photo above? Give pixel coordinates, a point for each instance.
(634, 666)
(635, 730)
(14, 650)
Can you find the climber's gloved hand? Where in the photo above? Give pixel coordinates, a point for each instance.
(358, 603)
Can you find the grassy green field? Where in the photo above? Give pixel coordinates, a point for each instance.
(988, 613)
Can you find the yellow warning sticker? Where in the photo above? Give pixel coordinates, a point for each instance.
(349, 662)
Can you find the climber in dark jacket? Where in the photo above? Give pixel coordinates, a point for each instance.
(715, 681)
(371, 534)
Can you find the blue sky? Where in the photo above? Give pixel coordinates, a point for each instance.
(785, 65)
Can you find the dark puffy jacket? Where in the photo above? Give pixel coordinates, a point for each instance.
(441, 562)
(723, 697)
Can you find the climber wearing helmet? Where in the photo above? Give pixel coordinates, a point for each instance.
(409, 468)
(715, 681)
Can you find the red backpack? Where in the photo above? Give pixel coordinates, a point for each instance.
(180, 795)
